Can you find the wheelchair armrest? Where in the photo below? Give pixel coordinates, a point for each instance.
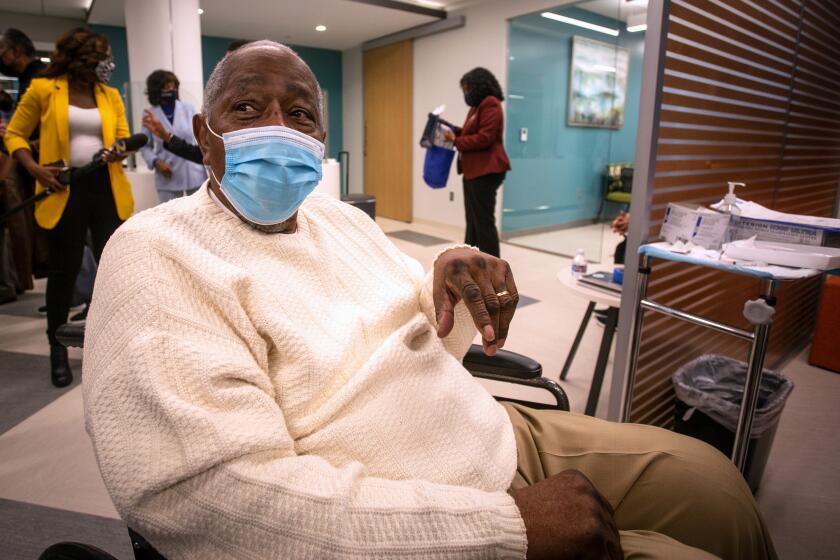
(71, 334)
(504, 363)
(142, 549)
(510, 367)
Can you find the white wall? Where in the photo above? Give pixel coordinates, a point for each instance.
(163, 35)
(439, 62)
(352, 103)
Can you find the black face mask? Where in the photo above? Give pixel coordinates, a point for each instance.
(168, 97)
(6, 105)
(471, 98)
(7, 70)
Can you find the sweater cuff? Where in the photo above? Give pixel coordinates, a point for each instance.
(511, 529)
(458, 341)
(442, 251)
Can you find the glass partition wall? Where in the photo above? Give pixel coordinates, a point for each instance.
(574, 77)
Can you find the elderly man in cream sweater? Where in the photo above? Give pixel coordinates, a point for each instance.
(267, 376)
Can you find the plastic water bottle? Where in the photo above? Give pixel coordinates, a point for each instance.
(579, 264)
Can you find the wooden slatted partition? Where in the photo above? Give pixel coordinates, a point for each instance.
(749, 94)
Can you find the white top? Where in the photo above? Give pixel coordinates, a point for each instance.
(254, 395)
(85, 134)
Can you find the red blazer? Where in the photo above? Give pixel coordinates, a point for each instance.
(479, 141)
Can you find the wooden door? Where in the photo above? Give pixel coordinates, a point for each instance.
(388, 76)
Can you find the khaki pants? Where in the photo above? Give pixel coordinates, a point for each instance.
(674, 497)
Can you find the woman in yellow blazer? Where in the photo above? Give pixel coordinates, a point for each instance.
(79, 116)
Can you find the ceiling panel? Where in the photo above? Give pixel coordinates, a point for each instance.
(56, 8)
(616, 9)
(291, 21)
(64, 8)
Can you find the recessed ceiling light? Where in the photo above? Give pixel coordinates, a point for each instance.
(320, 28)
(635, 28)
(200, 11)
(45, 59)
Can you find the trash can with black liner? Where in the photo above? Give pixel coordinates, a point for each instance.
(709, 393)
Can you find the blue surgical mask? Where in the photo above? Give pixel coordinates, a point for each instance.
(269, 171)
(168, 97)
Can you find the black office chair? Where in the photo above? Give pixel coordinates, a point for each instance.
(505, 367)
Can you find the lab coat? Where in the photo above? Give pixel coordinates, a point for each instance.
(185, 174)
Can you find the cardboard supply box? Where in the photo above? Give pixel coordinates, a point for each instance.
(783, 232)
(701, 226)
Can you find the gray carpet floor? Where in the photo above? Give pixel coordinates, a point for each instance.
(525, 300)
(26, 530)
(418, 238)
(26, 387)
(26, 305)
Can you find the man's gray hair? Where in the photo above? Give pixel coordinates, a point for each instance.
(213, 89)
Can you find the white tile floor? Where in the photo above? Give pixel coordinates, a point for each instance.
(597, 240)
(47, 459)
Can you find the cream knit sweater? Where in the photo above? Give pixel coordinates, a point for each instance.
(285, 396)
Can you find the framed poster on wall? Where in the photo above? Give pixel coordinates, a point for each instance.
(597, 84)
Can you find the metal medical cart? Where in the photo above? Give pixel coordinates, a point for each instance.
(759, 312)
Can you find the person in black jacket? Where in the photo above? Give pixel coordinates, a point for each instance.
(174, 144)
(18, 58)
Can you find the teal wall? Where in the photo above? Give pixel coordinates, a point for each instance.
(325, 63)
(556, 176)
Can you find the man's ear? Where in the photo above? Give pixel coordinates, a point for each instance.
(200, 133)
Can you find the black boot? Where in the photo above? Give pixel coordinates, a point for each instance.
(60, 371)
(81, 315)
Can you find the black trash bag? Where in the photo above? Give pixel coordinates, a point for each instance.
(714, 385)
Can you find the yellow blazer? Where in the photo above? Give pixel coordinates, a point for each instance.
(46, 102)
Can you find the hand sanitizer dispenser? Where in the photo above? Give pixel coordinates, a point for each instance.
(730, 206)
(730, 201)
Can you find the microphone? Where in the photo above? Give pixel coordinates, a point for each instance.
(132, 143)
(65, 176)
(122, 146)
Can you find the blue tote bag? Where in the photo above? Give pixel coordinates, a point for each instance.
(436, 166)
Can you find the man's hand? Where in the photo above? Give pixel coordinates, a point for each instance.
(486, 285)
(153, 124)
(163, 167)
(566, 518)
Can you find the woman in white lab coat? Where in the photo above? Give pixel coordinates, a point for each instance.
(174, 176)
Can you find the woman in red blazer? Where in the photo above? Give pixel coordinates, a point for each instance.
(481, 157)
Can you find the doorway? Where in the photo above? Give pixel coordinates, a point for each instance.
(388, 101)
